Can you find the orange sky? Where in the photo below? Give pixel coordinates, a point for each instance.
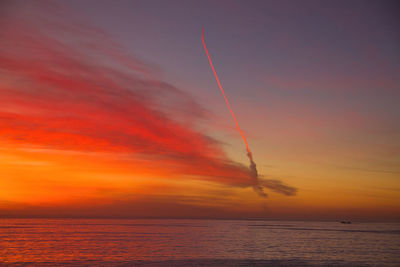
(88, 130)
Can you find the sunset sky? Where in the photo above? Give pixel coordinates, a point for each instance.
(111, 109)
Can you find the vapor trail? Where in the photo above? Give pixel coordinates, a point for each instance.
(253, 167)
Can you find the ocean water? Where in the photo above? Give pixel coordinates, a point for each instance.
(98, 242)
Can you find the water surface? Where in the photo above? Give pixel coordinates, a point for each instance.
(197, 243)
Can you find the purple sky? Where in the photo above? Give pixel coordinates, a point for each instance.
(315, 86)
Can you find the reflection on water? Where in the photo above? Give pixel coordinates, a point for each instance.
(198, 242)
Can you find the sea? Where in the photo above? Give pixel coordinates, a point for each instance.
(161, 242)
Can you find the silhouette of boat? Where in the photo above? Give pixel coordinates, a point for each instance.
(346, 222)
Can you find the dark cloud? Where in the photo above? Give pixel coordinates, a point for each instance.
(278, 187)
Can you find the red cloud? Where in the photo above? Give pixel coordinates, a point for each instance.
(69, 87)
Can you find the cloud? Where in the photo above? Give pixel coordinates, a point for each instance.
(278, 187)
(142, 206)
(69, 86)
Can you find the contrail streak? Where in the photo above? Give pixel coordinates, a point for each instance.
(257, 187)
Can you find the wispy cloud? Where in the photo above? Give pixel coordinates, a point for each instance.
(70, 87)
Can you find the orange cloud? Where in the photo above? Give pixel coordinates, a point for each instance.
(68, 87)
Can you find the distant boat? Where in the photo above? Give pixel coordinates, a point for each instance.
(346, 222)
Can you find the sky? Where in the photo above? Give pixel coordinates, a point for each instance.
(110, 109)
